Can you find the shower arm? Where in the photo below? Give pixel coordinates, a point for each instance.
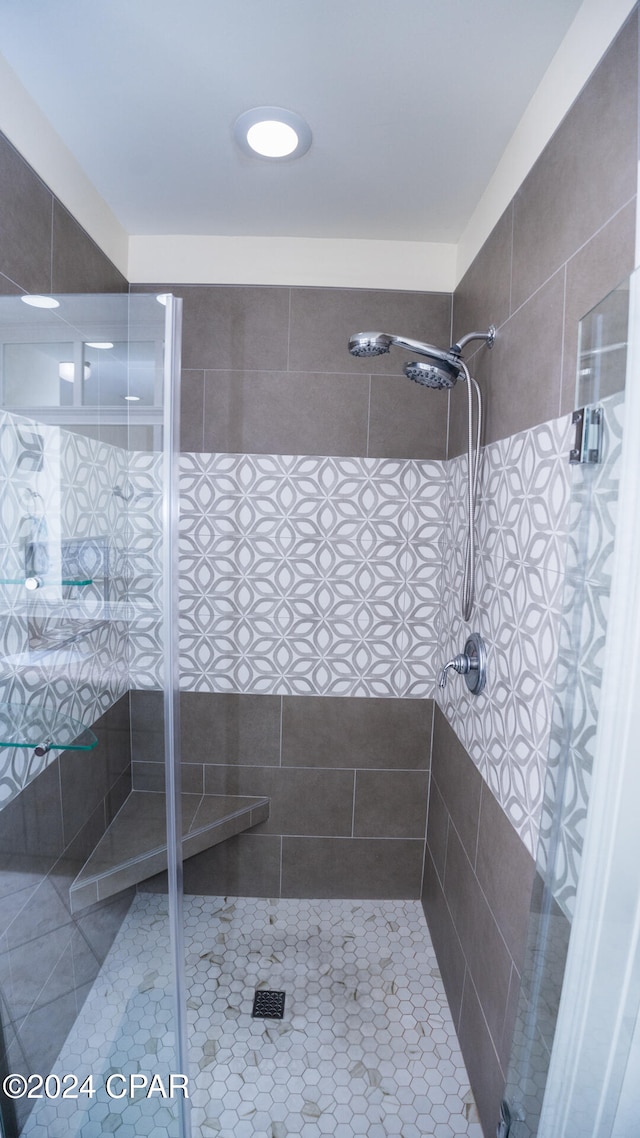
(488, 337)
(417, 347)
(455, 349)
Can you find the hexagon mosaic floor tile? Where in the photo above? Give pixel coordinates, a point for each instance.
(366, 1046)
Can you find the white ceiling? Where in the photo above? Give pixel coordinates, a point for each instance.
(411, 104)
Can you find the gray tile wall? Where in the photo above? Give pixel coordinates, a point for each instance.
(49, 959)
(267, 371)
(43, 248)
(347, 779)
(566, 239)
(476, 896)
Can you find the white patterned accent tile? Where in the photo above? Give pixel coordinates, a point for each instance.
(522, 520)
(304, 575)
(580, 658)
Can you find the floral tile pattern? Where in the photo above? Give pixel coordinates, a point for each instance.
(522, 527)
(304, 575)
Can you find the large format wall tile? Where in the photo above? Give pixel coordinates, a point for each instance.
(476, 895)
(267, 370)
(77, 263)
(564, 242)
(585, 174)
(25, 224)
(323, 319)
(285, 412)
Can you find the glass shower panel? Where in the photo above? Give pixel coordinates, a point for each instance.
(89, 991)
(591, 533)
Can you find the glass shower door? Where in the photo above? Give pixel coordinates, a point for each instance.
(599, 424)
(91, 998)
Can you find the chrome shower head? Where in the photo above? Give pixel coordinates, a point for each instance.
(440, 376)
(444, 367)
(370, 344)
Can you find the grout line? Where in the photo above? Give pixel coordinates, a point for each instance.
(464, 984)
(204, 407)
(368, 418)
(426, 819)
(495, 920)
(281, 729)
(475, 853)
(353, 806)
(562, 340)
(513, 231)
(289, 331)
(280, 875)
(51, 251)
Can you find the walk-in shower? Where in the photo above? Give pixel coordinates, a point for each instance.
(442, 372)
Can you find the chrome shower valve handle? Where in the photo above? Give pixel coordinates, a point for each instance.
(472, 664)
(460, 663)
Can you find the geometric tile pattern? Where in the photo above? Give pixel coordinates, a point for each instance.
(144, 545)
(522, 523)
(582, 635)
(64, 499)
(309, 575)
(341, 576)
(366, 1046)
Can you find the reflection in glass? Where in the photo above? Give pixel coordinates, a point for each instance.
(591, 529)
(84, 623)
(38, 375)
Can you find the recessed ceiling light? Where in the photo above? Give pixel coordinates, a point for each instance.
(104, 346)
(273, 133)
(41, 301)
(132, 398)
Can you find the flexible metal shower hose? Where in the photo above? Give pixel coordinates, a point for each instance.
(473, 467)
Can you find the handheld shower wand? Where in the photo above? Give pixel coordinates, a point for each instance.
(442, 372)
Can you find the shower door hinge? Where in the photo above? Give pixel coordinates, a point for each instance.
(510, 1116)
(587, 447)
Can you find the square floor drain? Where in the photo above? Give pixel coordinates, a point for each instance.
(268, 1005)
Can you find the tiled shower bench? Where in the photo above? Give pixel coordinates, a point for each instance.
(135, 847)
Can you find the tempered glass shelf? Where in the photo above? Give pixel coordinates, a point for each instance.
(44, 581)
(36, 727)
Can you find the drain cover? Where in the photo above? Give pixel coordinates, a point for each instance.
(268, 1005)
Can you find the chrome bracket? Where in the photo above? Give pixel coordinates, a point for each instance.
(587, 446)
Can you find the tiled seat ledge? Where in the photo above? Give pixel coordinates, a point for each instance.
(135, 847)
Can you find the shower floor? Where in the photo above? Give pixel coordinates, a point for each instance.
(366, 1046)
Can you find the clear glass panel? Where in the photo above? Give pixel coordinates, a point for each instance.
(602, 348)
(88, 948)
(40, 375)
(587, 586)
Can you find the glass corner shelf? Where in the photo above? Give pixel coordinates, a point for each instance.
(41, 730)
(40, 582)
